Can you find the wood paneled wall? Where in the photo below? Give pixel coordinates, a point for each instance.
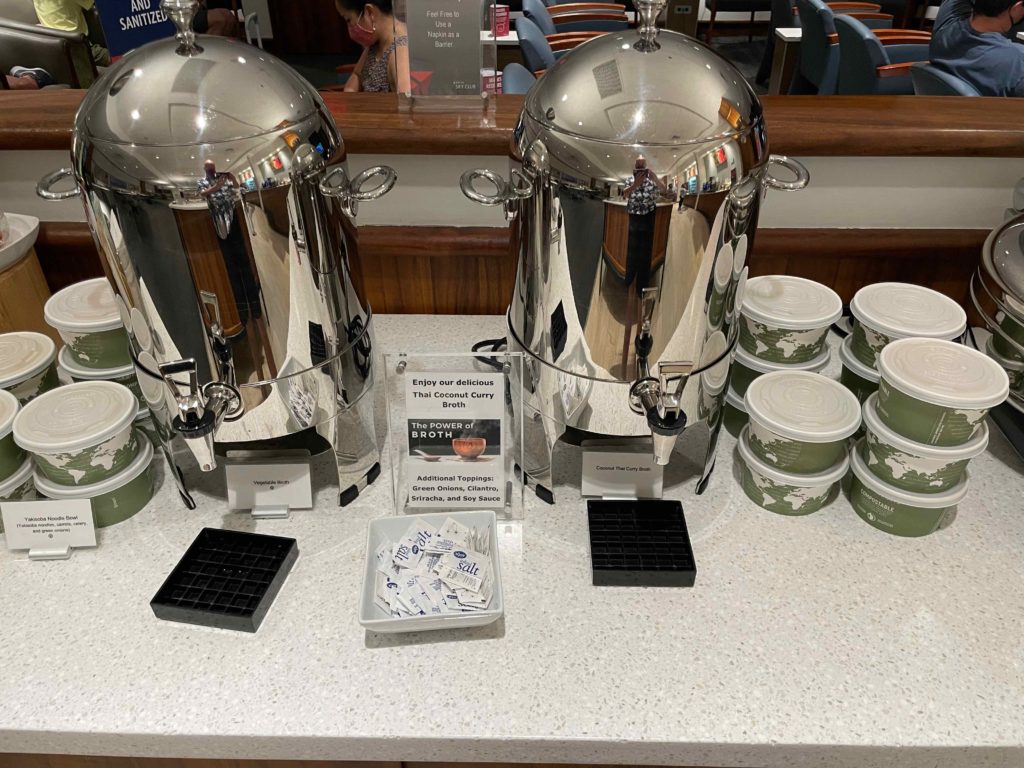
(469, 270)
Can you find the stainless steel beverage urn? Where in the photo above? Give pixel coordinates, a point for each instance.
(638, 165)
(216, 186)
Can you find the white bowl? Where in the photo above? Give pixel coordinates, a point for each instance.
(392, 529)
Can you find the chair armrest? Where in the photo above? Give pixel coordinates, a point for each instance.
(558, 10)
(903, 35)
(854, 6)
(552, 39)
(345, 69)
(866, 15)
(570, 42)
(576, 18)
(896, 70)
(904, 40)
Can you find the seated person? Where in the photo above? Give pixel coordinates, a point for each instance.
(215, 17)
(969, 41)
(372, 24)
(69, 16)
(28, 79)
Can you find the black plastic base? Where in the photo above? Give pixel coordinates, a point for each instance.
(640, 544)
(351, 493)
(226, 579)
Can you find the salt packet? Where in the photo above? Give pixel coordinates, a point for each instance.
(464, 568)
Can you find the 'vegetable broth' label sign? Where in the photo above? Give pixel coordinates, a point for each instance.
(456, 451)
(444, 46)
(127, 24)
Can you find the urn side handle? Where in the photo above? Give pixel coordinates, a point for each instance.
(801, 176)
(45, 186)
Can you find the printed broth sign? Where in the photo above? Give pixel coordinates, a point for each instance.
(444, 46)
(456, 446)
(127, 24)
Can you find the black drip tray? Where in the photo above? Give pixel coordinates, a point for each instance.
(226, 579)
(640, 544)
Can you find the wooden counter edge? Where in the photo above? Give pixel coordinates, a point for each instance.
(807, 126)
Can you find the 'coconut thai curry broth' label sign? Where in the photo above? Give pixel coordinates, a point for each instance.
(456, 452)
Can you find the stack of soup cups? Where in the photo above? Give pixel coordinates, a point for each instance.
(83, 446)
(87, 317)
(27, 364)
(885, 312)
(784, 324)
(923, 426)
(15, 465)
(1006, 344)
(794, 450)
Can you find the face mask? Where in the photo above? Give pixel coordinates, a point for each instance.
(360, 35)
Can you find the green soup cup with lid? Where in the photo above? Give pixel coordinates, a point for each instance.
(18, 487)
(746, 368)
(899, 512)
(116, 498)
(786, 319)
(937, 392)
(123, 375)
(87, 317)
(27, 367)
(11, 454)
(80, 434)
(800, 421)
(785, 493)
(885, 312)
(860, 379)
(911, 466)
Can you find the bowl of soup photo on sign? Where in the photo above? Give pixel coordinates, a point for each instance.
(469, 448)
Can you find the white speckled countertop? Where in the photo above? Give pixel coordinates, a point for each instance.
(814, 641)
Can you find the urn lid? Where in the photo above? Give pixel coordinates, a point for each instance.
(644, 87)
(190, 90)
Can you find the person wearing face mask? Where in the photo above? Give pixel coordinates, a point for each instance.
(372, 24)
(970, 40)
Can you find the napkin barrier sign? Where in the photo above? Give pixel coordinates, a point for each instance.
(50, 529)
(268, 484)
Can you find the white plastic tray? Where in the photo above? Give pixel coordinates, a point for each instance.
(392, 529)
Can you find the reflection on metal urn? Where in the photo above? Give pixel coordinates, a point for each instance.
(638, 165)
(216, 185)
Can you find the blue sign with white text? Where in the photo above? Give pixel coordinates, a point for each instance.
(127, 24)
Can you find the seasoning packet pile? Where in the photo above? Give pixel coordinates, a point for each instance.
(432, 571)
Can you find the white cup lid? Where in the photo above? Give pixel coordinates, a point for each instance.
(723, 266)
(9, 406)
(24, 354)
(924, 500)
(803, 406)
(67, 362)
(86, 306)
(904, 310)
(139, 464)
(814, 365)
(850, 361)
(791, 302)
(944, 373)
(836, 472)
(74, 417)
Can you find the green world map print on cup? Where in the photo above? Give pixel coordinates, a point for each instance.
(450, 48)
